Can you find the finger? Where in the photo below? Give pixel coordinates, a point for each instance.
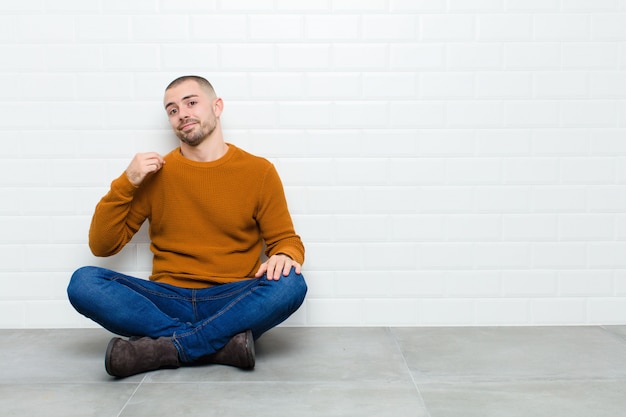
(273, 269)
(287, 267)
(261, 270)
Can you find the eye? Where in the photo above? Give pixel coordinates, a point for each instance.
(172, 112)
(193, 103)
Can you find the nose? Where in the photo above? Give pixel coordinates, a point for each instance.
(183, 114)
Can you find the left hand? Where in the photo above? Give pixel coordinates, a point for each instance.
(277, 265)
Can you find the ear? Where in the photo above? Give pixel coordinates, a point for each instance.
(218, 106)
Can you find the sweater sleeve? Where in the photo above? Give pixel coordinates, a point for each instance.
(275, 221)
(113, 225)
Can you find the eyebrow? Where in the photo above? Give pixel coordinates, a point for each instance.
(171, 103)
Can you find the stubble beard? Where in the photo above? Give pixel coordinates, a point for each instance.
(197, 135)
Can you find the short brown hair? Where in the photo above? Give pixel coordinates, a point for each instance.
(202, 82)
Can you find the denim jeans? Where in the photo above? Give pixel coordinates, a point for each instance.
(199, 321)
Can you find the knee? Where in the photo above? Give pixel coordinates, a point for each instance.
(295, 287)
(80, 283)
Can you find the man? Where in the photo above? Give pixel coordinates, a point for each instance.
(212, 210)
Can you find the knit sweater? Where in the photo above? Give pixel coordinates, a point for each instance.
(209, 221)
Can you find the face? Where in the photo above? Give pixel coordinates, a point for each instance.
(191, 112)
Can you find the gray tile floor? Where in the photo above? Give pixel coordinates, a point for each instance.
(432, 372)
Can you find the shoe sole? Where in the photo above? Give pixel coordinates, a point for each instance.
(250, 350)
(107, 356)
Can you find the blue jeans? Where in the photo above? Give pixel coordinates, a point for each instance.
(199, 321)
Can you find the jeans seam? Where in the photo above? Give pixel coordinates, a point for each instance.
(130, 283)
(209, 320)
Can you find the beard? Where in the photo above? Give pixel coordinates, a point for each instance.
(198, 133)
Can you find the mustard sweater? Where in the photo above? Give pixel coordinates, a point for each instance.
(209, 221)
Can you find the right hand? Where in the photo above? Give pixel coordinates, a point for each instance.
(142, 165)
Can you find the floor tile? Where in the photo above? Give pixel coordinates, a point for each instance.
(501, 353)
(310, 354)
(64, 400)
(530, 398)
(276, 399)
(619, 331)
(38, 356)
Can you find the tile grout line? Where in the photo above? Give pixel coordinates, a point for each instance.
(131, 396)
(406, 365)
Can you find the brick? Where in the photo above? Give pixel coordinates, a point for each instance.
(559, 255)
(219, 27)
(606, 310)
(359, 5)
(505, 27)
(334, 312)
(247, 56)
(446, 85)
(389, 27)
(103, 28)
(475, 113)
(389, 85)
(504, 85)
(475, 56)
(304, 114)
(560, 142)
(531, 171)
(559, 199)
(391, 312)
(503, 142)
(589, 113)
(274, 27)
(360, 114)
(332, 27)
(473, 228)
(45, 29)
(418, 228)
(532, 56)
(589, 5)
(446, 311)
(445, 199)
(416, 171)
(476, 5)
(360, 228)
(189, 57)
(447, 27)
(360, 171)
(332, 85)
(473, 171)
(417, 5)
(363, 57)
(411, 57)
(529, 227)
(588, 170)
(520, 284)
(446, 142)
(561, 84)
(532, 113)
(498, 312)
(585, 283)
(608, 27)
(315, 56)
(562, 27)
(414, 114)
(558, 311)
(591, 55)
(490, 199)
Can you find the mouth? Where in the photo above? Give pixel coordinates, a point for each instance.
(187, 126)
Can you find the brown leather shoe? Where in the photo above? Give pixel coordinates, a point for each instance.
(125, 358)
(239, 352)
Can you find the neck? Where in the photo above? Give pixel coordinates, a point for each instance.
(211, 149)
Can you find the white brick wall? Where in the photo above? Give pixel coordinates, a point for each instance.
(458, 162)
